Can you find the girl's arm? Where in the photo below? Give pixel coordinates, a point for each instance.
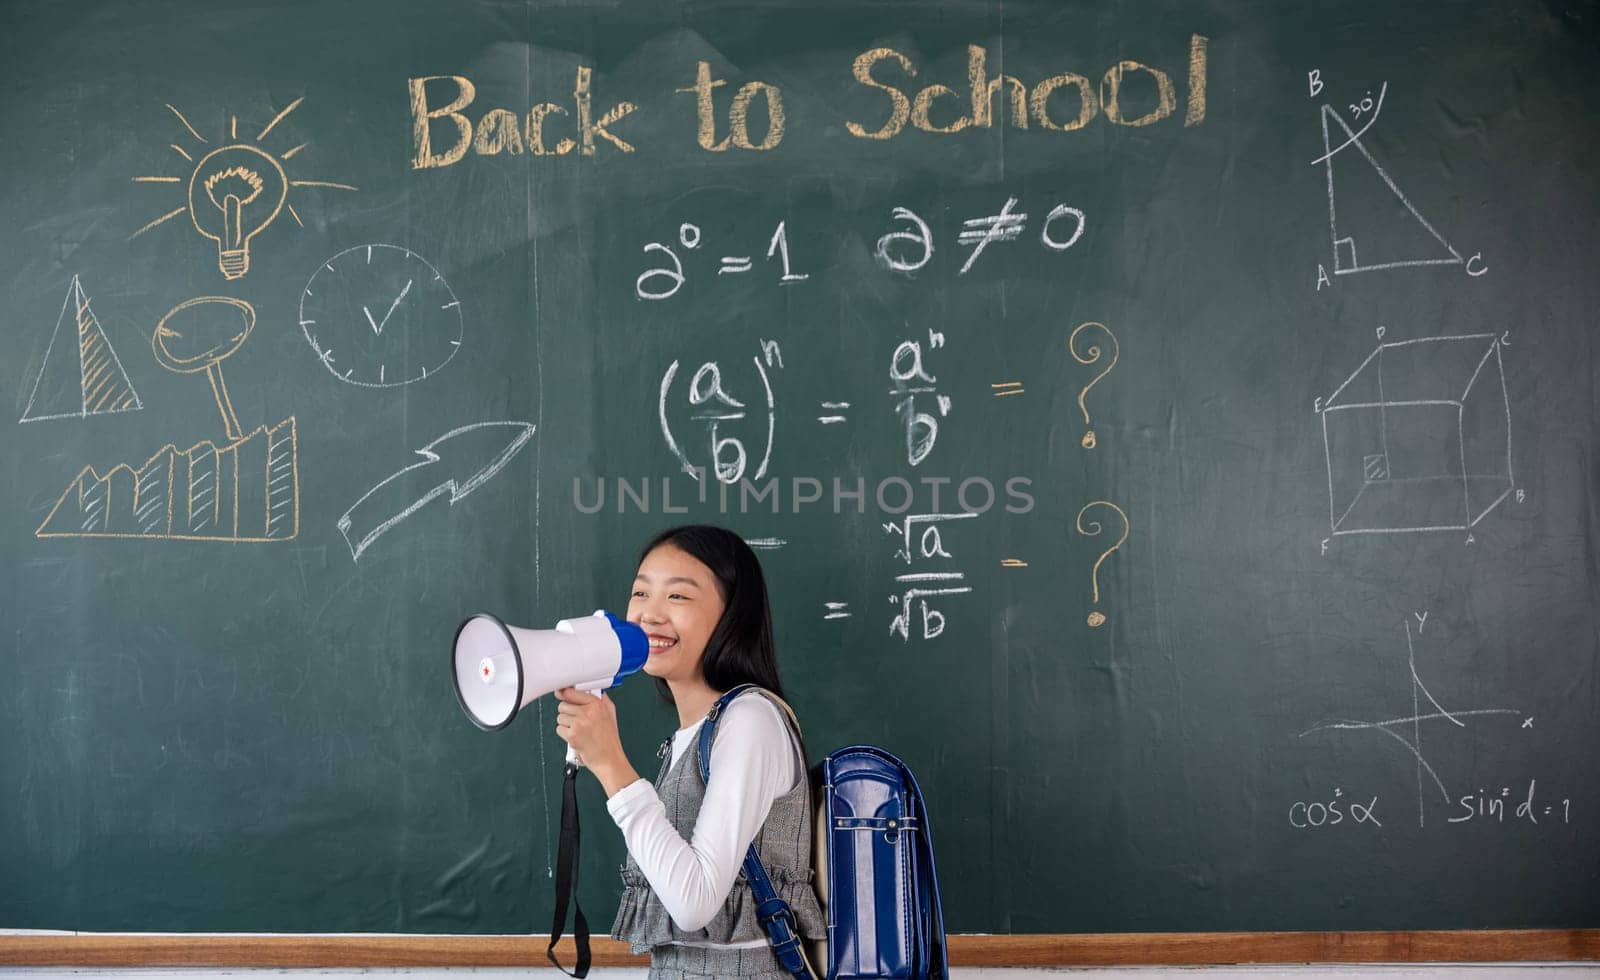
(753, 762)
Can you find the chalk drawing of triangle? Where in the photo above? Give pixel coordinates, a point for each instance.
(1372, 224)
(81, 375)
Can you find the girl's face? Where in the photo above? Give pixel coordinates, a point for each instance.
(676, 602)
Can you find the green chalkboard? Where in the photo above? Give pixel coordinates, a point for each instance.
(329, 324)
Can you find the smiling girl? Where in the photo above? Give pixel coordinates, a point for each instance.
(700, 597)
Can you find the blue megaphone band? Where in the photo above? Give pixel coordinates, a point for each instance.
(635, 646)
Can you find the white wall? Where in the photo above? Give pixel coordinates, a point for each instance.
(1524, 971)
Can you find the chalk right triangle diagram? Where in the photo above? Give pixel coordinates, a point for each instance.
(1370, 222)
(85, 380)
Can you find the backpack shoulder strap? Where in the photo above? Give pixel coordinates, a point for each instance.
(708, 731)
(771, 911)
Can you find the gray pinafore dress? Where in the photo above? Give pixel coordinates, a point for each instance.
(784, 843)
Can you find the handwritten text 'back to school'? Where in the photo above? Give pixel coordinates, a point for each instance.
(446, 125)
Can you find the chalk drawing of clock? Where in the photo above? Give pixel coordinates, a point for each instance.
(380, 316)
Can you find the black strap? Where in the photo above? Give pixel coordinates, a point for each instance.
(567, 881)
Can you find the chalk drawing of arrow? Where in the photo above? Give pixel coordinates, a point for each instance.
(458, 470)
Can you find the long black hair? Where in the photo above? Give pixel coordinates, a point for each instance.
(741, 649)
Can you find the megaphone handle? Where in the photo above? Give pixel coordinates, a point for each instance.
(572, 754)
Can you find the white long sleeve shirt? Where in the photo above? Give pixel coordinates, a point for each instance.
(753, 762)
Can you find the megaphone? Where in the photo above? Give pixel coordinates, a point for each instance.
(499, 669)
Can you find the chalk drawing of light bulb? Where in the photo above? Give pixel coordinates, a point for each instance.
(234, 193)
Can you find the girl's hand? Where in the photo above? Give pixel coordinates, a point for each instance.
(588, 723)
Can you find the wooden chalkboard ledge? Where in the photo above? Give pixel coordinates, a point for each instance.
(1185, 948)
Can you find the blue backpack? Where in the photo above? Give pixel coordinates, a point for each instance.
(874, 869)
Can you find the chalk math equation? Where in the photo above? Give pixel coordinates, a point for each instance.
(718, 416)
(906, 248)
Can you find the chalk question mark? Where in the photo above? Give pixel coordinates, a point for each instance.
(1091, 356)
(1092, 529)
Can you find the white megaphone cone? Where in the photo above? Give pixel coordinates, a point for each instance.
(499, 669)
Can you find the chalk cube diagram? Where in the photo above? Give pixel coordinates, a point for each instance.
(1418, 438)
